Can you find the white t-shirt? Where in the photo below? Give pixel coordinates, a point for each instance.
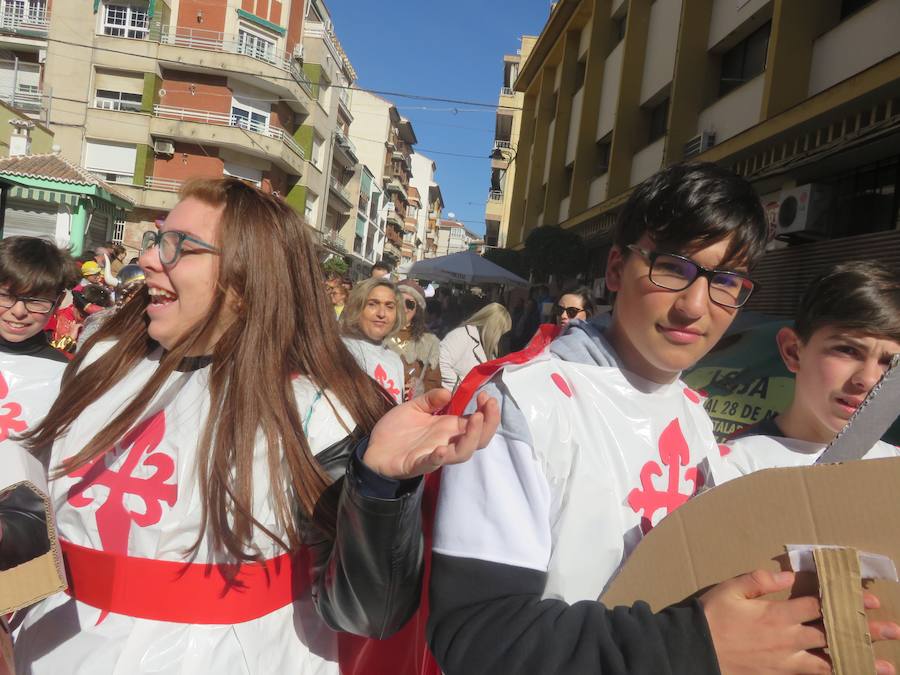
(143, 500)
(753, 453)
(382, 365)
(605, 457)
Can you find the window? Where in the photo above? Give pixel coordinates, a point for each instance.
(601, 158)
(373, 207)
(619, 26)
(745, 60)
(245, 173)
(849, 7)
(568, 174)
(312, 209)
(318, 146)
(126, 20)
(113, 162)
(580, 72)
(659, 121)
(17, 11)
(117, 100)
(247, 114)
(118, 233)
(255, 45)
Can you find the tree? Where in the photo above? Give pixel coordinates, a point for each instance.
(549, 249)
(508, 259)
(335, 265)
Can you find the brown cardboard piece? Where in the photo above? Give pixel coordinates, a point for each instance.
(34, 580)
(746, 524)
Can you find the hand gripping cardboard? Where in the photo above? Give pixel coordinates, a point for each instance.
(35, 579)
(747, 523)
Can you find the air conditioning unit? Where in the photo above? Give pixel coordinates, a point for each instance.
(163, 146)
(699, 144)
(802, 210)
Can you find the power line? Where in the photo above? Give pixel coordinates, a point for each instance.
(377, 92)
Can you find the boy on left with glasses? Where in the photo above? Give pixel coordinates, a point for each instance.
(34, 274)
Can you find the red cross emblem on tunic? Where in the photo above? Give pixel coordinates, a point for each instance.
(388, 384)
(114, 517)
(10, 420)
(675, 454)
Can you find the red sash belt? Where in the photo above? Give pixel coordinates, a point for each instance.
(195, 593)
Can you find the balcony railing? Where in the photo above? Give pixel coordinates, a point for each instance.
(345, 143)
(164, 184)
(333, 239)
(502, 145)
(506, 91)
(341, 190)
(196, 38)
(226, 120)
(19, 21)
(116, 104)
(495, 196)
(28, 101)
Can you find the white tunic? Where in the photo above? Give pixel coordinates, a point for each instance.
(28, 387)
(754, 453)
(161, 521)
(610, 455)
(380, 363)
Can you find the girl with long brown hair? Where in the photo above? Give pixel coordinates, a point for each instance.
(197, 444)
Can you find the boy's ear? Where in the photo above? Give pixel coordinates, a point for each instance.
(614, 267)
(789, 344)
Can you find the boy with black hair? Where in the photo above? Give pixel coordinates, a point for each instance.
(599, 440)
(843, 338)
(34, 274)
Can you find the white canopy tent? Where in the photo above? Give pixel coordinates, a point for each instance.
(464, 268)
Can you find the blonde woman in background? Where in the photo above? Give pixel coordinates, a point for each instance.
(371, 317)
(476, 341)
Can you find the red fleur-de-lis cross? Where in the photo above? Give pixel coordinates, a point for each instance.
(10, 420)
(113, 517)
(388, 384)
(675, 454)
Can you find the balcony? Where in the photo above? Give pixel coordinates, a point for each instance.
(29, 101)
(507, 91)
(164, 184)
(20, 85)
(225, 130)
(346, 150)
(30, 21)
(319, 31)
(395, 186)
(332, 239)
(196, 41)
(341, 192)
(344, 103)
(160, 194)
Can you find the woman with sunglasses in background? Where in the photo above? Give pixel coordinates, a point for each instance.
(196, 466)
(576, 304)
(419, 349)
(371, 317)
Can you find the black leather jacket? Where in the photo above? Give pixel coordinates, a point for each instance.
(368, 577)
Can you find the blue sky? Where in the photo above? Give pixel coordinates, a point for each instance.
(447, 49)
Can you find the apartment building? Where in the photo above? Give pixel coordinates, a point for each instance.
(367, 238)
(506, 141)
(433, 219)
(384, 140)
(148, 93)
(453, 237)
(329, 203)
(802, 98)
(24, 27)
(424, 169)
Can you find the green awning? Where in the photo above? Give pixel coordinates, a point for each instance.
(259, 21)
(47, 196)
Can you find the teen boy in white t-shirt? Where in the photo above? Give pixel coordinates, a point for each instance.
(599, 440)
(845, 334)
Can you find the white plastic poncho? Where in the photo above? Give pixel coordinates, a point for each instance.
(28, 387)
(606, 455)
(143, 500)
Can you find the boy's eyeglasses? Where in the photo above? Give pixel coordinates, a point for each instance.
(570, 312)
(35, 305)
(676, 273)
(410, 304)
(170, 245)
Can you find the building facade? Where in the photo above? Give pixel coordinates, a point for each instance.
(424, 169)
(148, 93)
(453, 237)
(24, 26)
(506, 142)
(802, 98)
(384, 140)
